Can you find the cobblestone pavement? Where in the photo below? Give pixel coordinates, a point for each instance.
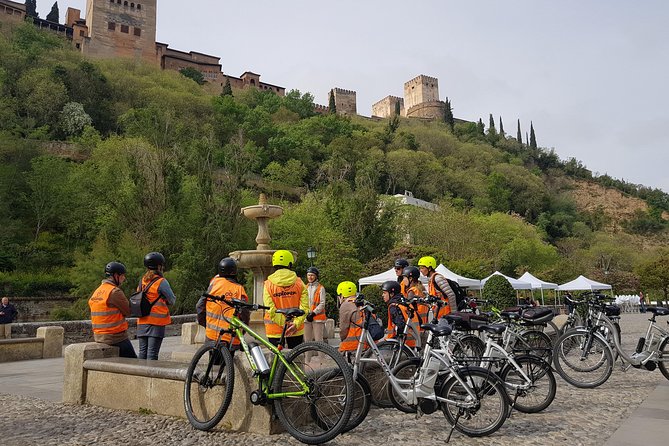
(576, 417)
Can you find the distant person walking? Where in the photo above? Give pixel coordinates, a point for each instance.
(8, 315)
(109, 308)
(642, 302)
(151, 328)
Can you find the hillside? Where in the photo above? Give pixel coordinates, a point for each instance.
(104, 160)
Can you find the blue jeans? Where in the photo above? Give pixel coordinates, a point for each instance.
(126, 349)
(149, 346)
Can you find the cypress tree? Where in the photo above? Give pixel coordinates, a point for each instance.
(481, 127)
(332, 105)
(501, 126)
(527, 139)
(519, 135)
(397, 108)
(54, 15)
(491, 127)
(533, 139)
(31, 8)
(448, 115)
(227, 88)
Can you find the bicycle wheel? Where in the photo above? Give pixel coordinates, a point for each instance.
(582, 359)
(361, 404)
(552, 331)
(376, 377)
(324, 412)
(535, 342)
(208, 388)
(467, 346)
(405, 370)
(576, 322)
(482, 416)
(542, 387)
(664, 357)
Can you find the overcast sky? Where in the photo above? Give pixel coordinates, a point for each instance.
(591, 75)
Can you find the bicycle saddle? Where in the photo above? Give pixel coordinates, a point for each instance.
(437, 329)
(291, 312)
(493, 329)
(658, 311)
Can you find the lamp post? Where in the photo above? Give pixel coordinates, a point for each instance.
(311, 254)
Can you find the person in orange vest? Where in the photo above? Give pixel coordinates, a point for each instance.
(151, 328)
(315, 322)
(437, 284)
(400, 265)
(109, 308)
(210, 314)
(397, 313)
(350, 317)
(283, 289)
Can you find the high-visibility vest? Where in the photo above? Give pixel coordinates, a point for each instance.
(403, 286)
(410, 341)
(434, 291)
(316, 303)
(283, 297)
(105, 319)
(216, 310)
(423, 309)
(160, 313)
(354, 330)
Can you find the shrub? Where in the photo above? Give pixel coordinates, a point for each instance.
(499, 292)
(332, 307)
(19, 283)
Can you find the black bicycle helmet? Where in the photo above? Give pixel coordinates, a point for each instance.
(114, 268)
(392, 286)
(401, 263)
(411, 272)
(153, 260)
(314, 270)
(227, 267)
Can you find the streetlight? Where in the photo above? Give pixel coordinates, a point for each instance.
(311, 254)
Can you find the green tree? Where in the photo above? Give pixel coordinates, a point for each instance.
(54, 14)
(654, 273)
(533, 139)
(227, 88)
(501, 126)
(491, 125)
(31, 8)
(193, 73)
(519, 135)
(332, 105)
(481, 127)
(397, 108)
(73, 119)
(448, 115)
(499, 292)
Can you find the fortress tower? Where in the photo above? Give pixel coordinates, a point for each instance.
(387, 107)
(345, 101)
(421, 98)
(121, 28)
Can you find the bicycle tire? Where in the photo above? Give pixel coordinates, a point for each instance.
(467, 346)
(664, 356)
(204, 377)
(331, 394)
(404, 370)
(541, 376)
(535, 342)
(376, 377)
(488, 388)
(361, 404)
(570, 364)
(577, 322)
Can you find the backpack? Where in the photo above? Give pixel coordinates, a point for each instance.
(139, 303)
(375, 329)
(460, 294)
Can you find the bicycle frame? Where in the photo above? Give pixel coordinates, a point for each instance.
(490, 347)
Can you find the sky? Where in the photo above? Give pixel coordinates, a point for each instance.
(590, 75)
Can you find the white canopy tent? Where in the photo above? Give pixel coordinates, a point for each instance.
(583, 283)
(538, 284)
(464, 282)
(515, 283)
(378, 279)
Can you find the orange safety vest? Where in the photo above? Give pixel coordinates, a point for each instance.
(317, 302)
(350, 344)
(410, 341)
(283, 297)
(216, 311)
(434, 291)
(105, 319)
(160, 314)
(423, 309)
(403, 287)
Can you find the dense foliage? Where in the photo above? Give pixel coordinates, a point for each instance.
(103, 160)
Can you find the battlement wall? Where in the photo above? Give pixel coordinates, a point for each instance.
(421, 78)
(427, 110)
(345, 101)
(342, 91)
(321, 109)
(386, 107)
(419, 90)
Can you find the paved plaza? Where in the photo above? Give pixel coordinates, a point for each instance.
(632, 408)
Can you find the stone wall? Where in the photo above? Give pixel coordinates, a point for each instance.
(39, 308)
(12, 11)
(419, 90)
(427, 110)
(385, 108)
(345, 101)
(81, 331)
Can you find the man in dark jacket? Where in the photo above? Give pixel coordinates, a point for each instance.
(7, 316)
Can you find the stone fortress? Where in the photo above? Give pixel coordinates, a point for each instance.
(127, 29)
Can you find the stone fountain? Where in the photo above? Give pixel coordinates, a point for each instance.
(259, 261)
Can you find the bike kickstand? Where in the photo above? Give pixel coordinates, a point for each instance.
(453, 428)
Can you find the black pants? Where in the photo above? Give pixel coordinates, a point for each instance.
(126, 349)
(291, 341)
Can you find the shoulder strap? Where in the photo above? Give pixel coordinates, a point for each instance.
(149, 286)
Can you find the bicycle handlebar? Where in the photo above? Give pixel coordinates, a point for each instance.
(235, 303)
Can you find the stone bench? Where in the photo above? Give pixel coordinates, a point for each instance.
(94, 374)
(47, 344)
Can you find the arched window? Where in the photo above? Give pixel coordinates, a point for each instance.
(132, 5)
(139, 6)
(125, 3)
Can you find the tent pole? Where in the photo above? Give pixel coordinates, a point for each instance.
(542, 297)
